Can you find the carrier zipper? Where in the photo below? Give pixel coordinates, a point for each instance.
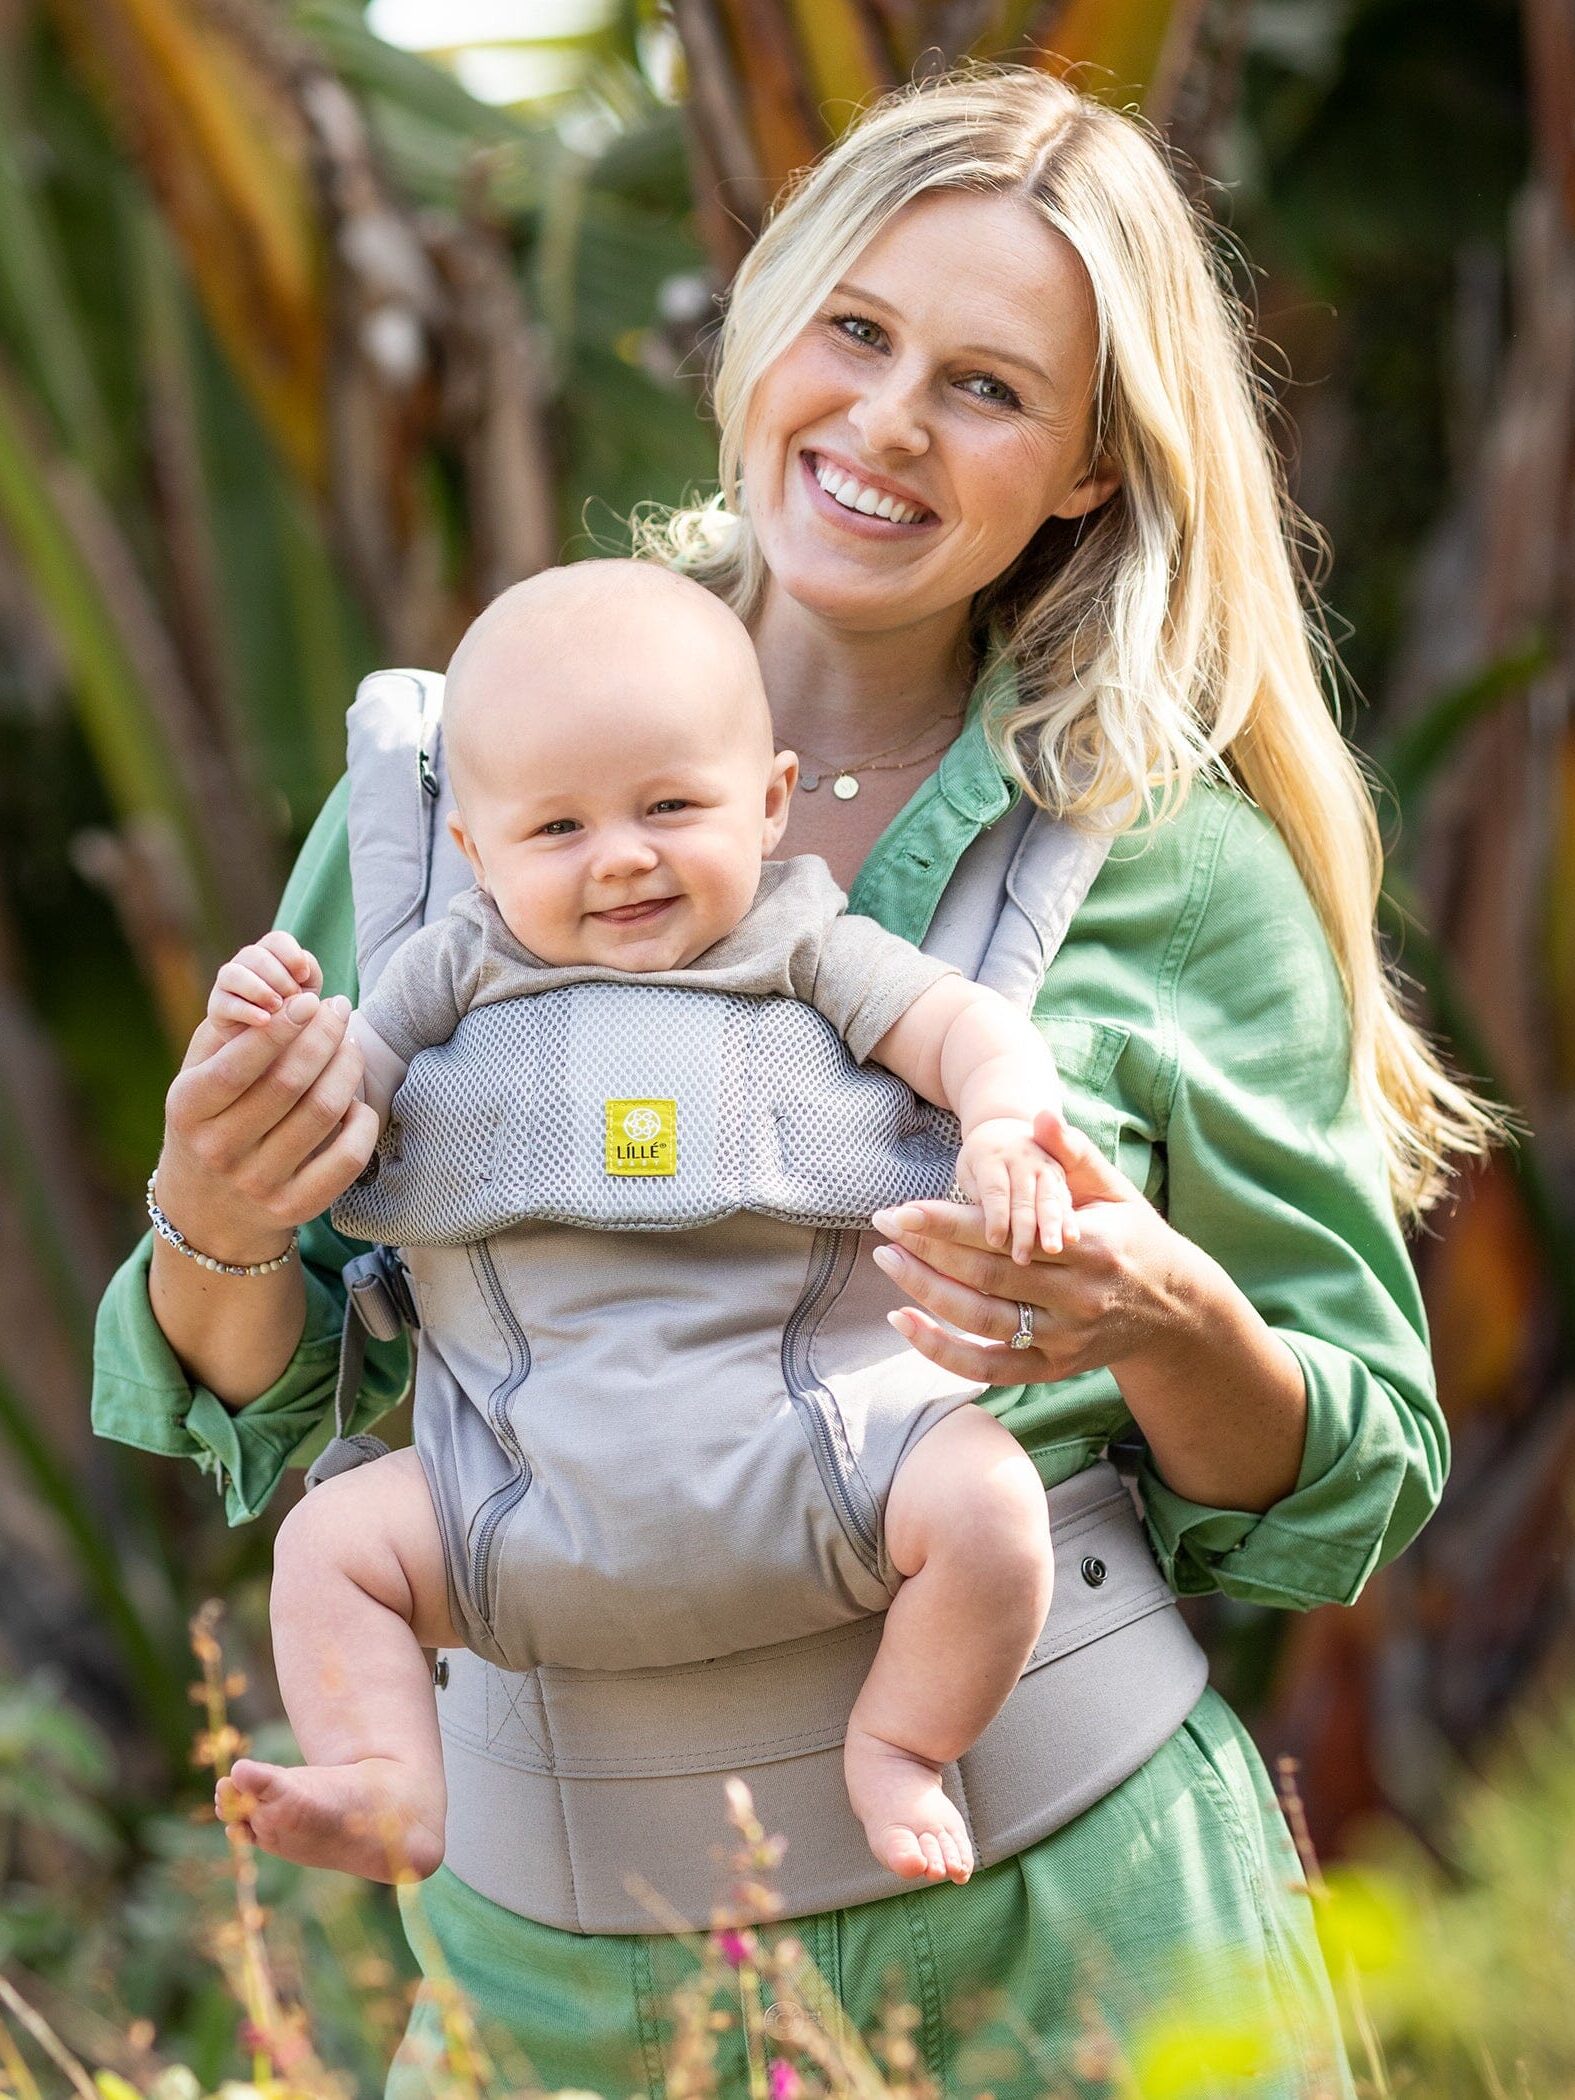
(503, 1498)
(831, 1263)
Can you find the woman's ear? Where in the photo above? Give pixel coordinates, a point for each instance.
(1097, 486)
(782, 781)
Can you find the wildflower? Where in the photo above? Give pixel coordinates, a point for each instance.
(783, 2081)
(734, 1947)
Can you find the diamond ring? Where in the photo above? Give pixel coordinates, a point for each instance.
(1024, 1337)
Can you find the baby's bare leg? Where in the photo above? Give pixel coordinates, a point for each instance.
(358, 1592)
(966, 1527)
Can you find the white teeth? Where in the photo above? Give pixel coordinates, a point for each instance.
(853, 495)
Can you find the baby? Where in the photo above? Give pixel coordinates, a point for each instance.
(618, 796)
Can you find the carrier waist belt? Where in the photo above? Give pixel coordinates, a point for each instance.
(567, 1786)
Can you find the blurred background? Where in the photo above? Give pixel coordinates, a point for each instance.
(319, 324)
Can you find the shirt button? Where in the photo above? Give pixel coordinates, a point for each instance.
(1094, 1572)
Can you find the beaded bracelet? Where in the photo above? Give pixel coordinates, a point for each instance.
(177, 1239)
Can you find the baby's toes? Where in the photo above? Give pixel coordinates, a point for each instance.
(903, 1853)
(233, 1804)
(934, 1858)
(958, 1855)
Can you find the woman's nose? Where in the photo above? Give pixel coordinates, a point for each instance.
(889, 414)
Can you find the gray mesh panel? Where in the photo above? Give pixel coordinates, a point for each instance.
(507, 1121)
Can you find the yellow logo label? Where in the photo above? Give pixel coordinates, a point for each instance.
(642, 1137)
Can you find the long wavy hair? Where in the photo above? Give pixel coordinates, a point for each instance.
(1174, 630)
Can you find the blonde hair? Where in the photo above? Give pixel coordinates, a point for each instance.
(1170, 632)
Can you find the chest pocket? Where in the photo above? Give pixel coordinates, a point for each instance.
(1086, 1054)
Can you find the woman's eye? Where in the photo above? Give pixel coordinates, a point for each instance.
(850, 324)
(1002, 397)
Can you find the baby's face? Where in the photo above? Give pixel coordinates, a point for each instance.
(619, 819)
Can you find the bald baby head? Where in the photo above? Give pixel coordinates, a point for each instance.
(601, 638)
(610, 747)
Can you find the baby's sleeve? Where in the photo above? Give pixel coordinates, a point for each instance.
(867, 978)
(427, 986)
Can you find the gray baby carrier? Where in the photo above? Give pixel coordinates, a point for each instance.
(659, 1406)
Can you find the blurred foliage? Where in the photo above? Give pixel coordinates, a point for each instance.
(226, 1972)
(200, 553)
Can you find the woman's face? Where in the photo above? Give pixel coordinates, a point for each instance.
(950, 374)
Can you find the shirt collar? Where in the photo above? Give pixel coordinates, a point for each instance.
(970, 774)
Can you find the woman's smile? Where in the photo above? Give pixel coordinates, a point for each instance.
(862, 503)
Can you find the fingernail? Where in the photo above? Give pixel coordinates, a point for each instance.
(895, 1319)
(887, 1258)
(302, 1006)
(897, 1218)
(340, 1005)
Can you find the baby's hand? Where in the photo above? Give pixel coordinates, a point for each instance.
(252, 986)
(1020, 1188)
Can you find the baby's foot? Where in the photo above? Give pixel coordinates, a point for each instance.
(911, 1826)
(377, 1818)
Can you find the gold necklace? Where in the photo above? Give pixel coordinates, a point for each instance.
(845, 785)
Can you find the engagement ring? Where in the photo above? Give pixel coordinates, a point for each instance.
(1024, 1337)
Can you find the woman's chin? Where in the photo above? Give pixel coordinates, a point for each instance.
(860, 597)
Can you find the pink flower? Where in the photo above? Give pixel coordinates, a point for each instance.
(783, 2080)
(733, 1947)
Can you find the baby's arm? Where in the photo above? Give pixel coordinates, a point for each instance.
(965, 1048)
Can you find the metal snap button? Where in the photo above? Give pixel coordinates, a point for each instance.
(1094, 1572)
(440, 1673)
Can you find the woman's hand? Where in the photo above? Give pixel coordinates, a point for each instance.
(1219, 1396)
(262, 1125)
(1106, 1296)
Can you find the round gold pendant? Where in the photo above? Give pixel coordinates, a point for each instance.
(844, 787)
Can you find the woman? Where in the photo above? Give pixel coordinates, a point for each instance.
(990, 305)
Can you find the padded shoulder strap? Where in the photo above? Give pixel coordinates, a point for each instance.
(1012, 897)
(402, 859)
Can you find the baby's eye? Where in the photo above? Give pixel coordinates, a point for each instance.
(669, 803)
(558, 828)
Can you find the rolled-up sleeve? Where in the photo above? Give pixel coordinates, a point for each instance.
(1272, 1168)
(141, 1394)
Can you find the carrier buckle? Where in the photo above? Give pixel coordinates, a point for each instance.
(378, 1284)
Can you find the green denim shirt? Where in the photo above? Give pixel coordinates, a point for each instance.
(1198, 1021)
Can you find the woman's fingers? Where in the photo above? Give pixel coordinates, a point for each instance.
(958, 1224)
(331, 1169)
(988, 1362)
(313, 1119)
(992, 1315)
(219, 1073)
(253, 1125)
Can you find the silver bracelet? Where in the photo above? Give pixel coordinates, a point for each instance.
(178, 1240)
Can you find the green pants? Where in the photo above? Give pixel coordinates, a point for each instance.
(1166, 1928)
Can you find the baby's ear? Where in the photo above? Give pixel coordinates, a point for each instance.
(462, 839)
(781, 782)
